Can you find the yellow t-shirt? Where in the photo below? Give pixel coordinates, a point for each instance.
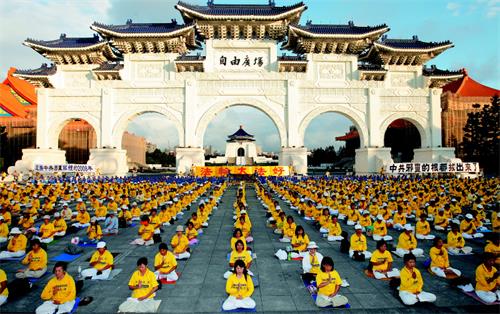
(334, 279)
(407, 242)
(315, 265)
(94, 232)
(4, 230)
(239, 286)
(455, 240)
(438, 260)
(302, 241)
(244, 256)
(334, 229)
(60, 225)
(3, 277)
(358, 243)
(482, 275)
(46, 230)
(233, 243)
(18, 244)
(410, 284)
(66, 290)
(147, 232)
(191, 233)
(423, 227)
(289, 230)
(181, 244)
(379, 257)
(102, 260)
(148, 282)
(166, 262)
(38, 259)
(380, 228)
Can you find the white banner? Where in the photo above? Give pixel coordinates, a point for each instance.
(65, 168)
(436, 167)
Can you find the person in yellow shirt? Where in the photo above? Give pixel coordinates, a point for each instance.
(180, 244)
(100, 212)
(334, 230)
(136, 212)
(288, 230)
(381, 262)
(423, 229)
(493, 247)
(246, 227)
(468, 228)
(410, 289)
(380, 230)
(94, 231)
(4, 230)
(46, 231)
(102, 262)
(66, 212)
(239, 253)
(311, 262)
(144, 285)
(16, 246)
(300, 241)
(146, 232)
(60, 225)
(353, 216)
(59, 293)
(27, 223)
(165, 264)
(440, 220)
(358, 243)
(4, 292)
(36, 260)
(82, 219)
(191, 234)
(240, 288)
(328, 283)
(407, 243)
(455, 242)
(440, 263)
(488, 280)
(399, 219)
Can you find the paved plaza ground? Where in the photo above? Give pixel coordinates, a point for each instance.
(201, 287)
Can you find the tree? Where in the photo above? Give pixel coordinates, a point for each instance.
(481, 141)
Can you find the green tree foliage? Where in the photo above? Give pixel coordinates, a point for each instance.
(159, 157)
(322, 155)
(481, 142)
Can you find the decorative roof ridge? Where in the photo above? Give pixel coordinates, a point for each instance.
(385, 40)
(212, 4)
(240, 133)
(435, 71)
(45, 70)
(94, 40)
(173, 23)
(349, 24)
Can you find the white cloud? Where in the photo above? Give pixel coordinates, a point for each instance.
(454, 7)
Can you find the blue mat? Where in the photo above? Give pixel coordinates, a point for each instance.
(81, 244)
(64, 257)
(33, 280)
(75, 307)
(20, 258)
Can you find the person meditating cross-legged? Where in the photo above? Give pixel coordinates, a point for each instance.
(240, 288)
(239, 253)
(36, 260)
(410, 289)
(101, 262)
(381, 262)
(440, 263)
(408, 243)
(165, 264)
(488, 280)
(180, 244)
(328, 284)
(59, 293)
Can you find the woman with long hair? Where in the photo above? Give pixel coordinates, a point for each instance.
(240, 288)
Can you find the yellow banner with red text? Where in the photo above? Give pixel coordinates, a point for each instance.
(224, 171)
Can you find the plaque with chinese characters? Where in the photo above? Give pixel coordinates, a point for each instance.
(241, 61)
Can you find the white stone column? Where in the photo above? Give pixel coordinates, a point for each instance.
(190, 116)
(295, 157)
(109, 161)
(292, 117)
(42, 135)
(187, 157)
(41, 156)
(107, 103)
(369, 161)
(374, 138)
(434, 120)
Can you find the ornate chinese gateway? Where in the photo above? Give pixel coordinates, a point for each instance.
(125, 70)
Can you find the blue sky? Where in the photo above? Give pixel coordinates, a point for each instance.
(472, 25)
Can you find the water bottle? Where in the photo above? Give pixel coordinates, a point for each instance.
(289, 256)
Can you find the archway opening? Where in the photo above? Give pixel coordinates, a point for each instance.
(77, 137)
(150, 140)
(241, 131)
(402, 136)
(331, 139)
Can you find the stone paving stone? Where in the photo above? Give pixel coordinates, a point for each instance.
(177, 304)
(278, 303)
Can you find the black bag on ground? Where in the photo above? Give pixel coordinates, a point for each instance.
(18, 288)
(358, 256)
(73, 249)
(157, 238)
(79, 285)
(71, 230)
(344, 244)
(122, 223)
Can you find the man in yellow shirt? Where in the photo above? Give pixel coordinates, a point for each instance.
(407, 243)
(16, 246)
(456, 242)
(334, 230)
(359, 244)
(4, 292)
(468, 228)
(4, 230)
(59, 293)
(144, 285)
(60, 225)
(423, 229)
(146, 232)
(410, 289)
(440, 263)
(180, 244)
(36, 260)
(46, 230)
(380, 230)
(101, 262)
(488, 280)
(381, 262)
(165, 264)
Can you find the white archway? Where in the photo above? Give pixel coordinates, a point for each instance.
(59, 122)
(357, 120)
(216, 108)
(417, 121)
(121, 124)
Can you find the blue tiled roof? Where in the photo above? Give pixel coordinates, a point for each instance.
(413, 43)
(240, 133)
(67, 42)
(44, 70)
(343, 29)
(190, 58)
(138, 28)
(240, 9)
(434, 71)
(291, 58)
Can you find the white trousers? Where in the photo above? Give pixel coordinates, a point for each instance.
(398, 226)
(79, 225)
(392, 273)
(323, 230)
(351, 223)
(232, 303)
(439, 228)
(3, 299)
(27, 273)
(48, 307)
(366, 253)
(417, 252)
(440, 272)
(3, 240)
(132, 305)
(335, 301)
(488, 296)
(285, 240)
(92, 272)
(7, 254)
(100, 218)
(140, 241)
(46, 240)
(425, 237)
(110, 231)
(472, 236)
(60, 234)
(335, 238)
(184, 255)
(377, 237)
(411, 298)
(457, 251)
(172, 276)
